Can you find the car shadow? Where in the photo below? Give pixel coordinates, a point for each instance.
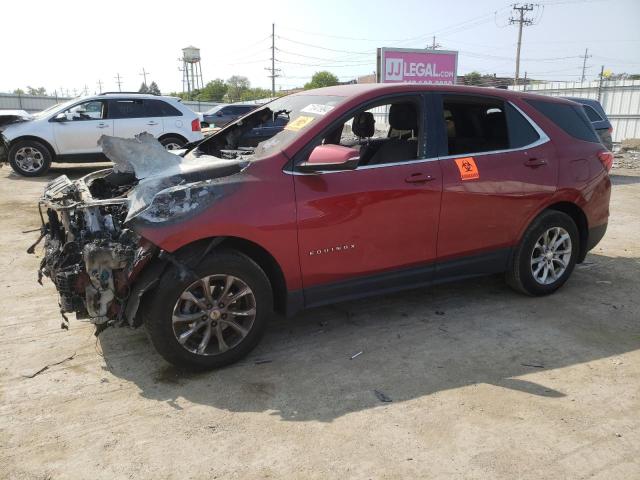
(329, 362)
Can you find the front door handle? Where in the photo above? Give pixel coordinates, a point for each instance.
(419, 178)
(103, 125)
(535, 162)
(152, 123)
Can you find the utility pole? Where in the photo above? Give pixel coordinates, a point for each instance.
(100, 85)
(600, 82)
(118, 81)
(144, 75)
(521, 20)
(434, 45)
(273, 68)
(584, 64)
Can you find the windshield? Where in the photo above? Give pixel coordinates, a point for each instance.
(295, 113)
(54, 107)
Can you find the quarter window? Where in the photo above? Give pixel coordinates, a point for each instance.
(570, 118)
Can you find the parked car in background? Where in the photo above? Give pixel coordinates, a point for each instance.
(441, 183)
(223, 114)
(69, 132)
(264, 131)
(597, 117)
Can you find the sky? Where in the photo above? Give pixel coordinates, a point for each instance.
(69, 45)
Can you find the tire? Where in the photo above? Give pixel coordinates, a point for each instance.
(172, 143)
(168, 303)
(526, 273)
(30, 158)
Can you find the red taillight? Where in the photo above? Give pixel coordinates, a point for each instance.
(195, 125)
(607, 160)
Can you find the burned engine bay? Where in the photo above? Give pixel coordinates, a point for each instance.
(92, 252)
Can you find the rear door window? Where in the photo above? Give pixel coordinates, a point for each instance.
(159, 108)
(570, 118)
(484, 124)
(134, 108)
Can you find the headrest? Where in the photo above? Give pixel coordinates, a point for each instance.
(403, 116)
(363, 125)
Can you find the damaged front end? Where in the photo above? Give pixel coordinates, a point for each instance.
(90, 256)
(93, 254)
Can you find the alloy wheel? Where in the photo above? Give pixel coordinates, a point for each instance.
(29, 159)
(214, 314)
(551, 255)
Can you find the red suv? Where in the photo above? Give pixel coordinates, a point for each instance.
(369, 189)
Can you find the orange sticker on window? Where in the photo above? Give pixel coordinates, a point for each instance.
(467, 168)
(299, 123)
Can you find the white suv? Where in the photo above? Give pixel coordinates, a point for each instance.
(69, 132)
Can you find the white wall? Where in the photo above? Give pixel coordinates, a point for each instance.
(619, 98)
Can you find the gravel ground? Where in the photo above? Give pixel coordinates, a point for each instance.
(484, 383)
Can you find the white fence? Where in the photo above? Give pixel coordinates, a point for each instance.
(619, 98)
(36, 103)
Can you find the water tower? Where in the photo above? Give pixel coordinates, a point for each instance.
(191, 70)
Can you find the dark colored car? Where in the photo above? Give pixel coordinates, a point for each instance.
(367, 190)
(263, 131)
(222, 115)
(597, 117)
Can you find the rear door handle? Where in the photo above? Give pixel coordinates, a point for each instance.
(103, 125)
(419, 178)
(152, 123)
(535, 162)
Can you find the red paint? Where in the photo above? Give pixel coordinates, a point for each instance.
(323, 228)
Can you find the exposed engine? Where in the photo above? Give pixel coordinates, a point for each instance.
(89, 256)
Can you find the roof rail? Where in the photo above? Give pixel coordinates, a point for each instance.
(129, 93)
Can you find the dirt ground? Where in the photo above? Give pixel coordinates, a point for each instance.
(484, 383)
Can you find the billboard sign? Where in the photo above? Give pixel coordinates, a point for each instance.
(396, 65)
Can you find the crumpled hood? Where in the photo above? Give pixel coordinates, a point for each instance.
(168, 186)
(8, 117)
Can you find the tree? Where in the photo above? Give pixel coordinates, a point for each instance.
(154, 89)
(36, 91)
(255, 94)
(18, 91)
(213, 91)
(473, 78)
(143, 88)
(236, 85)
(321, 79)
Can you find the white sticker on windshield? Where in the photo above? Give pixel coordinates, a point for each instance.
(317, 109)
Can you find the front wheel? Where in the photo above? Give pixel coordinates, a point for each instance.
(30, 158)
(546, 256)
(213, 320)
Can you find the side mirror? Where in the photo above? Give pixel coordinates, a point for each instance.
(61, 117)
(330, 158)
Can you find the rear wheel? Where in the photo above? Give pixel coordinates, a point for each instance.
(30, 158)
(213, 320)
(546, 256)
(172, 143)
